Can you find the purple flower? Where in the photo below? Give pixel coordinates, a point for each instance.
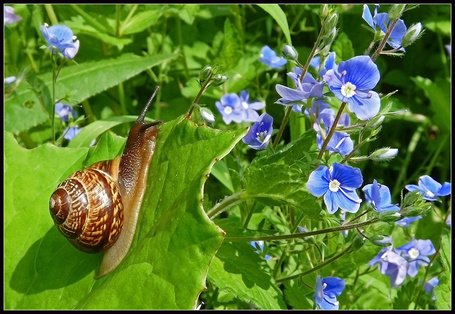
(258, 137)
(303, 90)
(326, 292)
(71, 132)
(9, 16)
(61, 37)
(430, 187)
(407, 220)
(260, 245)
(269, 57)
(391, 264)
(249, 108)
(352, 83)
(416, 252)
(378, 195)
(230, 107)
(380, 22)
(338, 185)
(429, 286)
(64, 111)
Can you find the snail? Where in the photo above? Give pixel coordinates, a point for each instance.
(97, 208)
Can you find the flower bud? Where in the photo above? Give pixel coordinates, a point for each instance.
(357, 242)
(10, 80)
(219, 79)
(332, 21)
(389, 216)
(205, 74)
(290, 52)
(396, 11)
(324, 10)
(384, 154)
(419, 210)
(381, 240)
(375, 122)
(412, 34)
(207, 114)
(411, 198)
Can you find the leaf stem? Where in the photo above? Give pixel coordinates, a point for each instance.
(332, 130)
(226, 203)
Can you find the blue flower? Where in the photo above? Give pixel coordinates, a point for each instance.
(429, 286)
(230, 107)
(61, 37)
(249, 108)
(10, 80)
(326, 292)
(430, 187)
(329, 63)
(258, 137)
(392, 265)
(269, 57)
(407, 220)
(260, 244)
(338, 185)
(316, 109)
(416, 252)
(303, 90)
(9, 16)
(378, 195)
(380, 22)
(340, 142)
(64, 111)
(71, 132)
(352, 83)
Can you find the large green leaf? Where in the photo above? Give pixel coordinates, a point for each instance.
(173, 245)
(279, 178)
(280, 17)
(23, 109)
(239, 270)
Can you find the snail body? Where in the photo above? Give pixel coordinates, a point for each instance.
(97, 208)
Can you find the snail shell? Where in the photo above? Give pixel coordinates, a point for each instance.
(97, 208)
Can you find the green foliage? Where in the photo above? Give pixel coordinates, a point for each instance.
(208, 194)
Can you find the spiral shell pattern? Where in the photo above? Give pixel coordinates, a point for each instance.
(87, 207)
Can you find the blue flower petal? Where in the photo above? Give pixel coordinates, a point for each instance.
(318, 181)
(349, 177)
(365, 108)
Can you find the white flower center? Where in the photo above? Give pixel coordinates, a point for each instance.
(348, 89)
(245, 105)
(413, 253)
(227, 110)
(334, 185)
(261, 136)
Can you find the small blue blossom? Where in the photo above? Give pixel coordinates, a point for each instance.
(250, 108)
(260, 133)
(380, 22)
(71, 132)
(9, 16)
(10, 80)
(255, 244)
(61, 37)
(353, 82)
(416, 252)
(407, 220)
(309, 87)
(329, 63)
(429, 286)
(392, 265)
(207, 115)
(430, 187)
(326, 292)
(378, 195)
(64, 111)
(340, 142)
(269, 57)
(338, 185)
(230, 107)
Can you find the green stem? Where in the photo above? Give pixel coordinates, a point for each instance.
(198, 96)
(301, 235)
(226, 203)
(99, 27)
(51, 14)
(88, 111)
(327, 262)
(384, 40)
(54, 81)
(332, 130)
(282, 126)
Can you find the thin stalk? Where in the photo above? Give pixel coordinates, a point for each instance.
(302, 234)
(384, 40)
(327, 262)
(332, 130)
(51, 14)
(226, 203)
